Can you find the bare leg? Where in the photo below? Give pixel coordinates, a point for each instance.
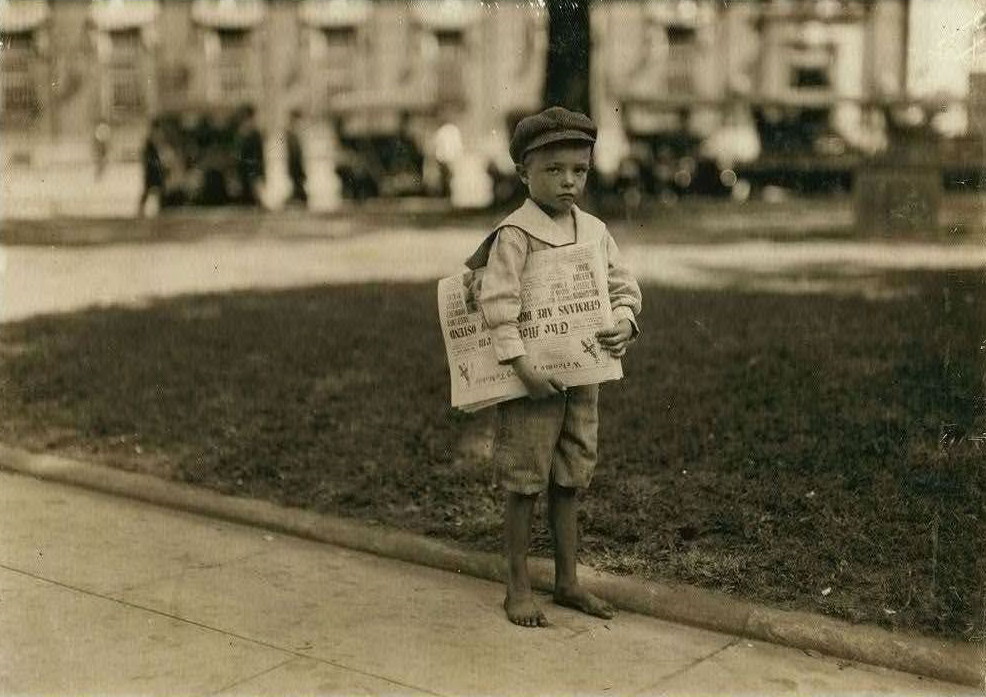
(563, 514)
(143, 202)
(519, 602)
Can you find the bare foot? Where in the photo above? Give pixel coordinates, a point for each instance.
(580, 599)
(523, 611)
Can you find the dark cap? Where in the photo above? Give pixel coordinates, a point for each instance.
(553, 125)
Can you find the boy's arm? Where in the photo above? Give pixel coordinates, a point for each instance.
(624, 292)
(499, 299)
(624, 299)
(499, 295)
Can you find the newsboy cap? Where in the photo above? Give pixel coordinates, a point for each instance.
(553, 125)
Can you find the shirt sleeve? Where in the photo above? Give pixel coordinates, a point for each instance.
(499, 295)
(624, 292)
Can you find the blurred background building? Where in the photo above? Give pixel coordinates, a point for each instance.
(418, 99)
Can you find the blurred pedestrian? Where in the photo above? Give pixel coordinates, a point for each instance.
(250, 157)
(153, 170)
(101, 147)
(207, 162)
(296, 160)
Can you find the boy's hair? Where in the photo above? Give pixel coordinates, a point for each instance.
(553, 125)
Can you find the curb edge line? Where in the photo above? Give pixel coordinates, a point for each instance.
(934, 658)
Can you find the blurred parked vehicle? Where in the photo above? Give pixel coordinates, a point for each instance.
(419, 99)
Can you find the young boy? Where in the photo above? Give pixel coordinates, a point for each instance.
(547, 442)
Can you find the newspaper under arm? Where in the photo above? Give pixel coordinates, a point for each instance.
(564, 302)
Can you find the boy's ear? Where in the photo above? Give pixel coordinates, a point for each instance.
(522, 172)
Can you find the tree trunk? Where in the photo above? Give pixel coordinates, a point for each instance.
(569, 44)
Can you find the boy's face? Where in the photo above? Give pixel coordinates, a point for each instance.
(555, 175)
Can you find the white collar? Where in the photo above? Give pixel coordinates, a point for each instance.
(532, 219)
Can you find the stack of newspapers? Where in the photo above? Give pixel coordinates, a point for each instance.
(564, 302)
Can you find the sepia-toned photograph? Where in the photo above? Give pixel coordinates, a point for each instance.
(492, 347)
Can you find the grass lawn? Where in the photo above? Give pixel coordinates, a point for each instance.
(813, 452)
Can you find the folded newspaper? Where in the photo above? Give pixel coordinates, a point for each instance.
(564, 302)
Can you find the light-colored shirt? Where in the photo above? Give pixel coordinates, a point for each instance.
(530, 229)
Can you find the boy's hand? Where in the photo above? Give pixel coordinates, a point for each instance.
(617, 339)
(538, 385)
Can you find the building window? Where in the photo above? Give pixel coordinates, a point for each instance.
(125, 89)
(234, 55)
(337, 59)
(20, 98)
(810, 78)
(683, 58)
(340, 42)
(450, 66)
(234, 68)
(681, 36)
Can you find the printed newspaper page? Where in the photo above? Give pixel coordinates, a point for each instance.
(565, 301)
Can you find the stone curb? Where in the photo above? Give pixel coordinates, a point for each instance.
(935, 658)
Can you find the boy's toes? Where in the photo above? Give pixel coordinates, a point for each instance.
(584, 601)
(524, 612)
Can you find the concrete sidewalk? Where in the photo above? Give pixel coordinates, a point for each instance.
(104, 595)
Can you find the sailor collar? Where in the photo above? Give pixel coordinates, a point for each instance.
(535, 222)
(539, 225)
